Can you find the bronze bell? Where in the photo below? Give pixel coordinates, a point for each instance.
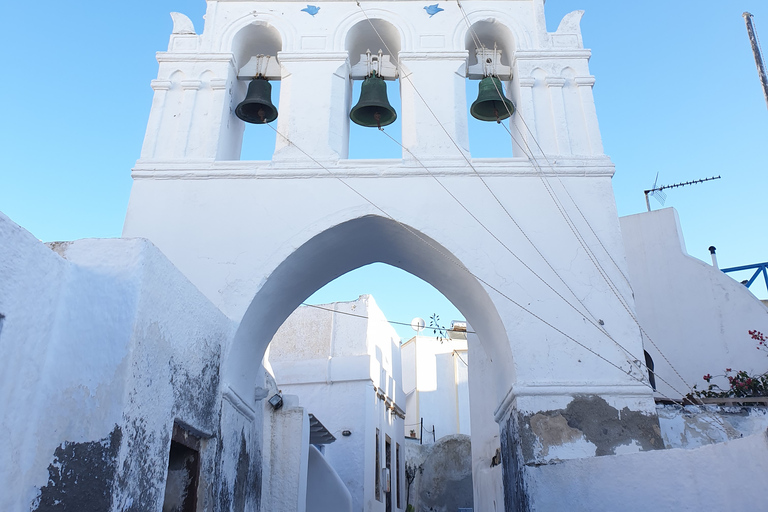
(257, 107)
(491, 104)
(373, 108)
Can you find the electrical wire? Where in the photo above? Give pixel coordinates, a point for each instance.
(569, 221)
(369, 318)
(478, 278)
(593, 321)
(520, 306)
(572, 226)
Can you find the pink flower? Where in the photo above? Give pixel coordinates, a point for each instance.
(727, 369)
(707, 377)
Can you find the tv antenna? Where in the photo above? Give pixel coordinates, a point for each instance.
(660, 196)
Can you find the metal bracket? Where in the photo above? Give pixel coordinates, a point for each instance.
(489, 64)
(265, 66)
(370, 63)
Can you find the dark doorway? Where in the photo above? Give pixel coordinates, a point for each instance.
(183, 472)
(388, 482)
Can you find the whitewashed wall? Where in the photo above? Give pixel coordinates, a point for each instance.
(695, 314)
(104, 349)
(725, 476)
(439, 390)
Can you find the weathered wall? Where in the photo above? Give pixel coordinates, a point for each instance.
(698, 316)
(692, 426)
(106, 347)
(443, 480)
(724, 476)
(285, 488)
(586, 426)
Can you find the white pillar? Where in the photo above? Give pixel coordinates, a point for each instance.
(161, 88)
(585, 84)
(434, 105)
(190, 88)
(314, 106)
(522, 138)
(555, 86)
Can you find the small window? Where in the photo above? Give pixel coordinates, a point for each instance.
(651, 374)
(377, 472)
(398, 469)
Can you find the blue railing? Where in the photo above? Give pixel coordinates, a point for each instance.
(760, 268)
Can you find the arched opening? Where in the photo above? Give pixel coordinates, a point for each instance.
(327, 256)
(489, 139)
(250, 43)
(342, 355)
(354, 244)
(372, 36)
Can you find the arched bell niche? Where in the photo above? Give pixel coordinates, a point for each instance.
(489, 139)
(374, 35)
(257, 39)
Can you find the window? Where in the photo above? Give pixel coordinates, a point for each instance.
(651, 374)
(377, 472)
(398, 469)
(388, 463)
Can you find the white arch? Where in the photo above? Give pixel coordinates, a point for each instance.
(403, 26)
(286, 30)
(345, 247)
(522, 37)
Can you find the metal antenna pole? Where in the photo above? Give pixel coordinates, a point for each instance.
(758, 56)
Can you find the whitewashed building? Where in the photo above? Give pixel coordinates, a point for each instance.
(436, 386)
(143, 353)
(342, 360)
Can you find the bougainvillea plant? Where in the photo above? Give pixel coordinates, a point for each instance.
(740, 383)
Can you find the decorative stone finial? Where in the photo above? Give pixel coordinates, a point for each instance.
(182, 24)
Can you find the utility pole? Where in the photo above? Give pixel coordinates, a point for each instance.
(758, 56)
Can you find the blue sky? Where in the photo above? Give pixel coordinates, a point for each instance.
(677, 93)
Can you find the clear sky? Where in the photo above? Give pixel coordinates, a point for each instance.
(677, 93)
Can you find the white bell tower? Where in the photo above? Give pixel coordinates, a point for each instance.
(528, 247)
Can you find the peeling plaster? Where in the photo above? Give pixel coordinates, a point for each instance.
(80, 476)
(588, 426)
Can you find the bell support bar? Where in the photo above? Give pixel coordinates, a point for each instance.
(373, 63)
(262, 66)
(489, 64)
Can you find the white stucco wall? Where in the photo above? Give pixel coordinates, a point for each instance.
(325, 490)
(438, 386)
(698, 316)
(487, 478)
(346, 371)
(692, 426)
(106, 346)
(725, 476)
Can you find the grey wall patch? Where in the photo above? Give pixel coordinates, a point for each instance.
(593, 418)
(81, 475)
